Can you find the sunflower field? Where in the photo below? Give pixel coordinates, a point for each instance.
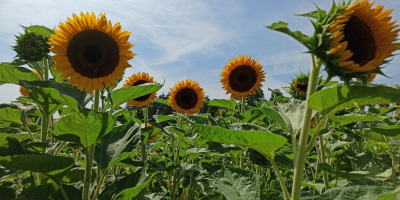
(78, 133)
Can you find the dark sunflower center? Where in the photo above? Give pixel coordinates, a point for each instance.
(186, 98)
(142, 98)
(242, 78)
(93, 54)
(361, 41)
(302, 87)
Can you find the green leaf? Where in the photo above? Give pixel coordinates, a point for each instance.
(60, 94)
(312, 14)
(74, 175)
(355, 192)
(41, 30)
(55, 74)
(348, 175)
(163, 118)
(49, 191)
(235, 183)
(223, 103)
(261, 141)
(391, 131)
(246, 126)
(11, 74)
(85, 127)
(279, 117)
(10, 145)
(116, 189)
(337, 144)
(117, 145)
(347, 119)
(331, 100)
(294, 111)
(130, 193)
(370, 135)
(162, 101)
(7, 193)
(361, 159)
(123, 95)
(38, 163)
(181, 133)
(25, 108)
(250, 116)
(10, 115)
(297, 35)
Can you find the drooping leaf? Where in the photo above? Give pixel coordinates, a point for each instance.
(38, 163)
(294, 111)
(261, 141)
(223, 103)
(279, 117)
(331, 100)
(10, 115)
(41, 30)
(11, 74)
(25, 108)
(55, 93)
(235, 183)
(123, 95)
(117, 145)
(347, 119)
(297, 35)
(391, 131)
(85, 127)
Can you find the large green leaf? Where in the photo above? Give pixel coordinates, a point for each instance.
(279, 117)
(132, 192)
(116, 189)
(261, 141)
(10, 145)
(52, 92)
(85, 127)
(117, 145)
(331, 100)
(49, 191)
(347, 175)
(10, 115)
(41, 30)
(123, 95)
(347, 119)
(11, 74)
(38, 163)
(25, 108)
(250, 115)
(235, 184)
(223, 103)
(391, 131)
(356, 192)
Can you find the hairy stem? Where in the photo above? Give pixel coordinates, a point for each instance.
(301, 154)
(280, 178)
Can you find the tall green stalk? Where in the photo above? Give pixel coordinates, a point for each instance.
(301, 153)
(145, 114)
(242, 110)
(45, 129)
(177, 163)
(280, 178)
(90, 154)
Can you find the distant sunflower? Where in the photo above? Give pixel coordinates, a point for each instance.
(90, 51)
(242, 76)
(299, 86)
(371, 77)
(362, 38)
(187, 97)
(24, 91)
(139, 79)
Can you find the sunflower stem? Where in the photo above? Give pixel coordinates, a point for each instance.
(46, 69)
(45, 129)
(175, 177)
(301, 153)
(280, 178)
(90, 153)
(242, 110)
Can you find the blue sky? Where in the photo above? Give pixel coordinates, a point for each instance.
(179, 39)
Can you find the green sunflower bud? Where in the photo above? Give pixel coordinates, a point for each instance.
(31, 46)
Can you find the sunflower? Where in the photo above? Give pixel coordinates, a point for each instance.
(242, 76)
(139, 79)
(313, 122)
(299, 85)
(371, 77)
(90, 51)
(362, 38)
(24, 91)
(187, 97)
